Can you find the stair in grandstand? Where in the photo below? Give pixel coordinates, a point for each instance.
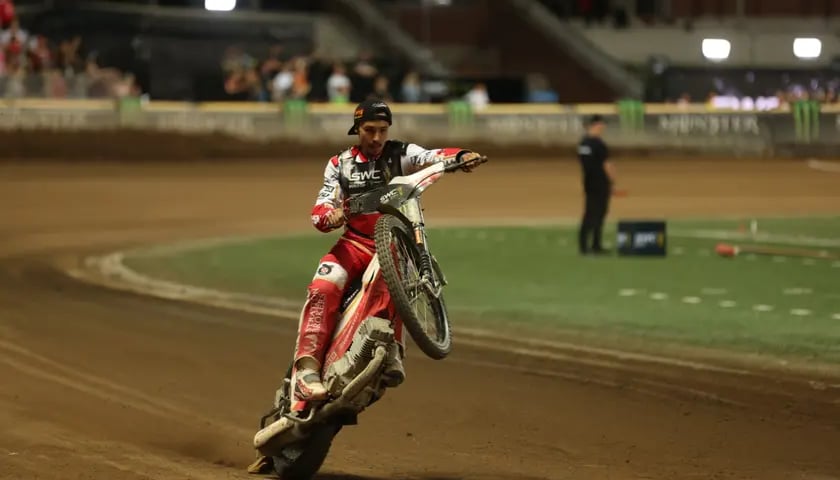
(495, 38)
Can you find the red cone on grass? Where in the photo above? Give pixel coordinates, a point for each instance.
(726, 250)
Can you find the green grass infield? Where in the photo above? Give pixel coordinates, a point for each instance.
(532, 278)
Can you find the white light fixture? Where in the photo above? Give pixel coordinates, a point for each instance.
(219, 5)
(807, 47)
(716, 48)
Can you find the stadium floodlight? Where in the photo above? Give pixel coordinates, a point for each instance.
(807, 47)
(716, 48)
(219, 5)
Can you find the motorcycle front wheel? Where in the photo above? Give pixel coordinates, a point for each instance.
(423, 314)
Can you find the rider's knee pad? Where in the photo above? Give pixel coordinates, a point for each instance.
(331, 272)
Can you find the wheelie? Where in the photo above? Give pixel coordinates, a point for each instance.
(379, 278)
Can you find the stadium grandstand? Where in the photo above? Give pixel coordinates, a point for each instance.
(748, 54)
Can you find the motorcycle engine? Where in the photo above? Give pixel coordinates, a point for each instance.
(372, 332)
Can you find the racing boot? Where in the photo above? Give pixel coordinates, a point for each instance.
(317, 322)
(307, 382)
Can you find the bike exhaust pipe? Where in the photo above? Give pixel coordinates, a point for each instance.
(288, 429)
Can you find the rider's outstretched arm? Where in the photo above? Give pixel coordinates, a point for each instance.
(417, 158)
(330, 198)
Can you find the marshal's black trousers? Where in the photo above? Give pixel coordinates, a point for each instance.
(594, 213)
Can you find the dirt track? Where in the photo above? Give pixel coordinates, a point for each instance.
(100, 384)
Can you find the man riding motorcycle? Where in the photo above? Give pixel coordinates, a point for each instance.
(369, 164)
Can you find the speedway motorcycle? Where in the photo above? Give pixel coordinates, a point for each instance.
(402, 286)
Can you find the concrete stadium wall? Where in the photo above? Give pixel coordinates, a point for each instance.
(170, 130)
(155, 146)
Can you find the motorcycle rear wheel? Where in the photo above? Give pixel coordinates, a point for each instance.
(399, 256)
(302, 462)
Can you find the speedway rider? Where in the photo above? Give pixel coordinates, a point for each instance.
(369, 164)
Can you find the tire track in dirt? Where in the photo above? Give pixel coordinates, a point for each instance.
(37, 447)
(43, 368)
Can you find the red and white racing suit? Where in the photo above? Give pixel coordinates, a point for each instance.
(346, 175)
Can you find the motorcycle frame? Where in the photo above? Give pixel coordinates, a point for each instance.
(373, 298)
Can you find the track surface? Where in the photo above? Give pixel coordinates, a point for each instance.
(96, 383)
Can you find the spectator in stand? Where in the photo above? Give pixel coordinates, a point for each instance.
(13, 40)
(338, 85)
(126, 87)
(380, 89)
(281, 86)
(412, 90)
(55, 85)
(364, 73)
(7, 13)
(15, 80)
(14, 60)
(365, 66)
(235, 59)
(477, 97)
(13, 52)
(318, 71)
(539, 91)
(70, 56)
(40, 56)
(300, 78)
(246, 84)
(273, 64)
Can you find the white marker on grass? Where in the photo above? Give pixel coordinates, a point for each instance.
(727, 303)
(800, 312)
(692, 300)
(836, 316)
(797, 291)
(658, 296)
(627, 292)
(762, 308)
